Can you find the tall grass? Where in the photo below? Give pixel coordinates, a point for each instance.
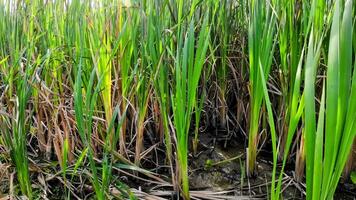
(222, 70)
(261, 46)
(18, 64)
(144, 89)
(100, 48)
(84, 111)
(156, 44)
(189, 64)
(336, 134)
(290, 40)
(15, 135)
(126, 25)
(103, 80)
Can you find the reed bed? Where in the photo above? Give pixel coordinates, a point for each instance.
(112, 99)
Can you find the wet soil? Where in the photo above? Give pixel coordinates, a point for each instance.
(220, 166)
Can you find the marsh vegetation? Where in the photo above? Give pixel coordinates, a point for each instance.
(177, 99)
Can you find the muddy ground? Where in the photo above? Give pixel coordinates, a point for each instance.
(217, 166)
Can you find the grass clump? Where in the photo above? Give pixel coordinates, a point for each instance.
(261, 46)
(189, 63)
